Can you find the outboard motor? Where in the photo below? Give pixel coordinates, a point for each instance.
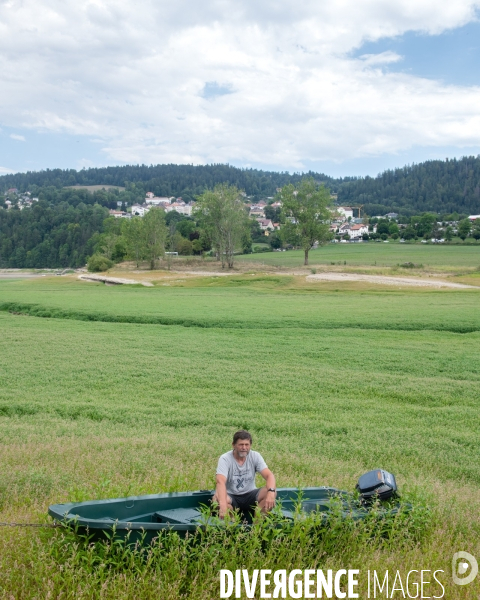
(377, 484)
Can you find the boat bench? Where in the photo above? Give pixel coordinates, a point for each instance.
(177, 515)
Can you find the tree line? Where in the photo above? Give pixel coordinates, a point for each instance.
(432, 186)
(185, 181)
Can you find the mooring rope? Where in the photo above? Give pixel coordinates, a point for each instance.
(55, 524)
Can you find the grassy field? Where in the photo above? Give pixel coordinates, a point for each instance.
(376, 254)
(330, 383)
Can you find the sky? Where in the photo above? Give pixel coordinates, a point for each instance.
(350, 87)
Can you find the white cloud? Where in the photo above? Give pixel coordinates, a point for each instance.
(384, 58)
(245, 82)
(19, 138)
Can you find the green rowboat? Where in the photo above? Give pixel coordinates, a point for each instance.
(144, 517)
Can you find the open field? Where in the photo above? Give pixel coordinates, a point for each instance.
(368, 254)
(331, 379)
(250, 302)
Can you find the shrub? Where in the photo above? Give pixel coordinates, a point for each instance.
(98, 262)
(185, 247)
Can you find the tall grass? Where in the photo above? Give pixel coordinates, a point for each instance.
(96, 409)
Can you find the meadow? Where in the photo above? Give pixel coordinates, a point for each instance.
(113, 391)
(380, 254)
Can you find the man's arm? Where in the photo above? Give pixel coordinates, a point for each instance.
(270, 483)
(221, 494)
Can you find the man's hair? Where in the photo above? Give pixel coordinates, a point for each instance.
(243, 434)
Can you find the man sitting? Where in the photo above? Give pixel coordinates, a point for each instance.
(236, 478)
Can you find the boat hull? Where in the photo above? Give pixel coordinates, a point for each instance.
(143, 518)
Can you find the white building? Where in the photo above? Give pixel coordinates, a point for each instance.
(356, 231)
(139, 210)
(180, 207)
(346, 211)
(118, 214)
(156, 200)
(266, 225)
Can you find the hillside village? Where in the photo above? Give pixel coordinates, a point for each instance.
(63, 227)
(344, 225)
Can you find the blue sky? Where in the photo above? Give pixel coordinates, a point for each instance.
(349, 88)
(452, 56)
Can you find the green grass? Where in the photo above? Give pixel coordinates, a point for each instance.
(372, 253)
(246, 302)
(331, 384)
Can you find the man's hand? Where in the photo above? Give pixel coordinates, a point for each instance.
(270, 500)
(221, 496)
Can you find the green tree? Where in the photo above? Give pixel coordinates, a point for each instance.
(383, 227)
(133, 231)
(246, 242)
(393, 229)
(449, 233)
(424, 224)
(155, 235)
(186, 226)
(222, 214)
(197, 247)
(185, 247)
(409, 233)
(476, 229)
(464, 228)
(305, 207)
(275, 241)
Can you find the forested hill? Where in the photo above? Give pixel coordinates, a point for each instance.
(186, 181)
(434, 186)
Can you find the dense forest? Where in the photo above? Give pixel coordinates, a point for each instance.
(434, 186)
(59, 230)
(186, 181)
(47, 236)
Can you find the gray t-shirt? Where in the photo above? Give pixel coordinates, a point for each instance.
(240, 478)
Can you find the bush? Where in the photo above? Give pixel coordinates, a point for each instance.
(98, 262)
(410, 265)
(197, 246)
(185, 247)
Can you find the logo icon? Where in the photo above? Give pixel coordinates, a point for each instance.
(463, 563)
